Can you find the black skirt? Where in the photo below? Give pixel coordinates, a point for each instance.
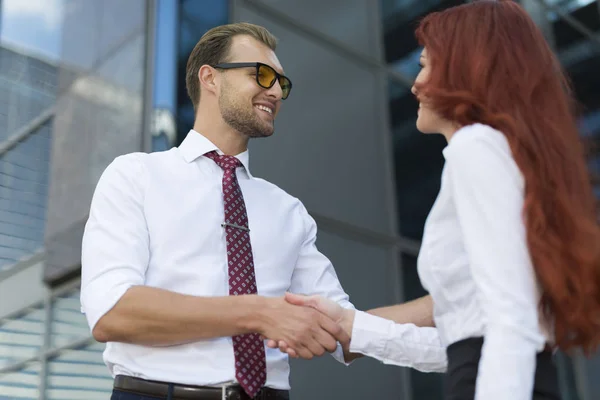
(463, 362)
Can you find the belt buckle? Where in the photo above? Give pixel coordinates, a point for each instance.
(226, 390)
(261, 395)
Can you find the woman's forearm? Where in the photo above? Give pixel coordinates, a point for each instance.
(418, 312)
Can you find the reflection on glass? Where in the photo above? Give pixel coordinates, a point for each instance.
(196, 18)
(397, 12)
(566, 6)
(582, 62)
(591, 131)
(399, 20)
(418, 158)
(123, 68)
(27, 88)
(34, 26)
(79, 374)
(68, 323)
(118, 23)
(408, 65)
(23, 193)
(569, 4)
(165, 54)
(590, 124)
(21, 336)
(418, 163)
(22, 384)
(164, 131)
(577, 53)
(565, 34)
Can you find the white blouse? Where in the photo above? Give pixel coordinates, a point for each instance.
(475, 263)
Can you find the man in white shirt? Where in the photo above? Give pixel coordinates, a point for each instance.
(186, 256)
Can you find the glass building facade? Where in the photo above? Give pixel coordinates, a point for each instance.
(83, 81)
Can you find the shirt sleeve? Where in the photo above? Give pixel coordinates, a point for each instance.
(314, 274)
(115, 248)
(487, 188)
(405, 345)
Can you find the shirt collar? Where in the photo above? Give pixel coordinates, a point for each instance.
(196, 145)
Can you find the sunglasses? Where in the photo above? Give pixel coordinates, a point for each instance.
(265, 76)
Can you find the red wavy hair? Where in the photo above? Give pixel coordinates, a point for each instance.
(491, 64)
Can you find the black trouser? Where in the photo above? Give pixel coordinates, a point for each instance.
(463, 363)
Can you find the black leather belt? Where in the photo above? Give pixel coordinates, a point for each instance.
(161, 389)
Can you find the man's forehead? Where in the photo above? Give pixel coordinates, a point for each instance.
(247, 49)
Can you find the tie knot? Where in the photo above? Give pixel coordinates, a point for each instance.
(224, 161)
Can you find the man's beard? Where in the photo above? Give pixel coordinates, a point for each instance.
(242, 118)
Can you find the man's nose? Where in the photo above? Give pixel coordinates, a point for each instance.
(275, 91)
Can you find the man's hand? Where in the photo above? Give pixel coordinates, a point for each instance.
(339, 315)
(309, 332)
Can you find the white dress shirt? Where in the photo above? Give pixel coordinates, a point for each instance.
(475, 263)
(155, 220)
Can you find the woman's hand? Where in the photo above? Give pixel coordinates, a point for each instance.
(344, 317)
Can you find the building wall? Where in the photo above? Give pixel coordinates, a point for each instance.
(98, 115)
(345, 144)
(331, 150)
(27, 92)
(72, 77)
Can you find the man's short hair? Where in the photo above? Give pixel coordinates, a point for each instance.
(213, 48)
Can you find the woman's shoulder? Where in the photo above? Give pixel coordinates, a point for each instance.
(477, 138)
(482, 153)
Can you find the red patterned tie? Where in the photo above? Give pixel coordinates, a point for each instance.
(249, 349)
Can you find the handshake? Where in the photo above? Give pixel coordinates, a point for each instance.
(307, 326)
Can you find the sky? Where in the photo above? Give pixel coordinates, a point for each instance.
(33, 25)
(35, 28)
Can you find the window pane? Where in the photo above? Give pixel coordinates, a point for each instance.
(34, 26)
(79, 374)
(68, 323)
(22, 384)
(23, 193)
(418, 163)
(196, 17)
(27, 87)
(21, 336)
(399, 20)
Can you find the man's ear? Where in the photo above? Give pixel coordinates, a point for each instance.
(208, 78)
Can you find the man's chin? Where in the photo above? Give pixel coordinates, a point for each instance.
(264, 132)
(261, 134)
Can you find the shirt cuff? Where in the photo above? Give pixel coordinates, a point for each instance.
(338, 354)
(369, 334)
(96, 303)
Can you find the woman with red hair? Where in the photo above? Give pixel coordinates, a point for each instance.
(511, 248)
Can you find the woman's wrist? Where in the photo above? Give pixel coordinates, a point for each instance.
(347, 322)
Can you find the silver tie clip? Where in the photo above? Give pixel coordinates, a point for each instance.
(224, 224)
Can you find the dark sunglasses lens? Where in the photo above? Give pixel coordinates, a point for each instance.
(266, 76)
(286, 86)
